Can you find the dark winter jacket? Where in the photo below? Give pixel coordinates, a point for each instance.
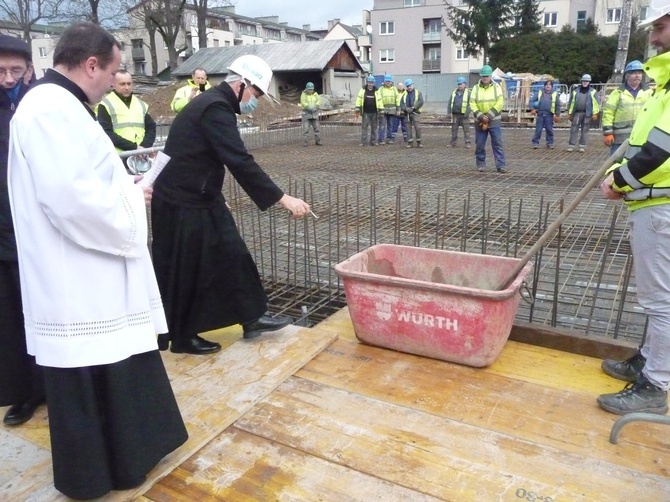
(203, 139)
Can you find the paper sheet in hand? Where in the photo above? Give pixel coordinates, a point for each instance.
(150, 176)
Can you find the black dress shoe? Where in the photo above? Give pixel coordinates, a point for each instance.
(194, 345)
(265, 323)
(21, 412)
(163, 341)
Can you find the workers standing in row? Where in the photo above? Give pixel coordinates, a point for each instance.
(309, 101)
(126, 120)
(583, 108)
(622, 107)
(410, 104)
(368, 105)
(391, 101)
(486, 102)
(543, 106)
(459, 108)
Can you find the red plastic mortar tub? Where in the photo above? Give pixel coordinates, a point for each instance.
(431, 302)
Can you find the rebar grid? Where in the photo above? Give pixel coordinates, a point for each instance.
(434, 198)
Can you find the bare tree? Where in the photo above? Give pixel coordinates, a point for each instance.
(202, 8)
(106, 13)
(26, 13)
(166, 16)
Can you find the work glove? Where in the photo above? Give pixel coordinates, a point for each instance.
(570, 117)
(409, 109)
(485, 119)
(485, 126)
(533, 112)
(608, 139)
(556, 119)
(594, 118)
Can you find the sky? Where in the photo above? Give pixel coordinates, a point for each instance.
(316, 13)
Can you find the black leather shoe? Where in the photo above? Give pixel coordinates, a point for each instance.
(21, 412)
(265, 323)
(195, 346)
(163, 341)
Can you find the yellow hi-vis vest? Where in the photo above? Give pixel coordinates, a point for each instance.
(127, 121)
(390, 97)
(648, 184)
(487, 100)
(620, 112)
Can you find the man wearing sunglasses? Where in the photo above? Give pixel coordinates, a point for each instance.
(21, 380)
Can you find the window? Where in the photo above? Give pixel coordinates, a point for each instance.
(215, 42)
(581, 18)
(461, 55)
(434, 53)
(140, 68)
(138, 43)
(386, 28)
(387, 55)
(643, 13)
(613, 16)
(43, 52)
(227, 43)
(412, 3)
(550, 18)
(432, 25)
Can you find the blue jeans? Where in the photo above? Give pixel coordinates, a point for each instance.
(399, 121)
(496, 145)
(385, 126)
(544, 120)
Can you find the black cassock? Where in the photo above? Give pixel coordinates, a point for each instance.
(205, 273)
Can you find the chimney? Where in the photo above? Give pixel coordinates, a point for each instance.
(307, 27)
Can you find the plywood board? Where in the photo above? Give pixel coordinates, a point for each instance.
(238, 466)
(443, 457)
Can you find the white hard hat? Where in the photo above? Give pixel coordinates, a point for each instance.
(656, 10)
(256, 71)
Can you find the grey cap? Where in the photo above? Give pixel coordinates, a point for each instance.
(15, 45)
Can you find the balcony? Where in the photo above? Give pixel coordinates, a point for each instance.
(138, 54)
(431, 65)
(430, 37)
(364, 41)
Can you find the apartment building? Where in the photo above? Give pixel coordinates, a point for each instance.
(409, 36)
(225, 28)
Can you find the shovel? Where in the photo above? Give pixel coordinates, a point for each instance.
(549, 232)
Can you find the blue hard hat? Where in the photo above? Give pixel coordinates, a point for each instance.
(586, 78)
(409, 82)
(388, 78)
(460, 80)
(370, 78)
(633, 66)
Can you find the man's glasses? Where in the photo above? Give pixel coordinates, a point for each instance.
(17, 73)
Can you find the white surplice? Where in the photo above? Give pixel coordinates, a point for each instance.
(87, 282)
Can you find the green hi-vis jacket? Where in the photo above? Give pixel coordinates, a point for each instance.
(620, 112)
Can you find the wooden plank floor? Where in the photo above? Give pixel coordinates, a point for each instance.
(360, 423)
(212, 392)
(312, 415)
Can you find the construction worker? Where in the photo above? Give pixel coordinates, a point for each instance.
(21, 379)
(641, 180)
(583, 108)
(196, 85)
(459, 108)
(309, 101)
(369, 104)
(410, 104)
(543, 106)
(391, 101)
(399, 119)
(126, 120)
(486, 103)
(622, 107)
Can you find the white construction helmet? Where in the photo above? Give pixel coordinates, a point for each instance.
(255, 70)
(656, 10)
(138, 164)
